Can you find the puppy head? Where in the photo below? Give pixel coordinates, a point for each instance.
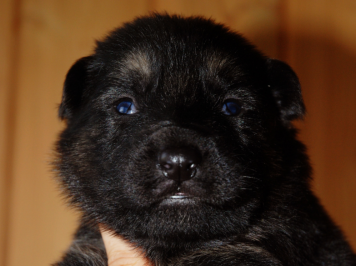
(171, 129)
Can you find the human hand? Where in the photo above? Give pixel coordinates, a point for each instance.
(120, 252)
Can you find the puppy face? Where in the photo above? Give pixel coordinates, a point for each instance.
(173, 129)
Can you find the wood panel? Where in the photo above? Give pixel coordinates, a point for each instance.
(321, 48)
(8, 36)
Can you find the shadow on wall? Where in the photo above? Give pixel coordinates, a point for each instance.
(327, 75)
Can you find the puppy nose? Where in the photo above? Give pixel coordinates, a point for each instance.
(179, 164)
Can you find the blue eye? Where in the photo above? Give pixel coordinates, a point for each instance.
(126, 107)
(231, 107)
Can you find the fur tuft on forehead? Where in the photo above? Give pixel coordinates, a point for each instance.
(138, 62)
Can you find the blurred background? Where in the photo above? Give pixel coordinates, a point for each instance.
(41, 39)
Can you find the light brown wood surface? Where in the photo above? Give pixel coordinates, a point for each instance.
(40, 39)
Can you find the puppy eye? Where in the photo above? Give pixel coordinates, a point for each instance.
(126, 107)
(231, 107)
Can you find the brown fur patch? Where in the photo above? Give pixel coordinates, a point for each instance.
(137, 61)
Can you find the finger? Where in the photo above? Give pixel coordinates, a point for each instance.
(120, 252)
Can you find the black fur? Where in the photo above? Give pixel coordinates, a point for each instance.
(250, 199)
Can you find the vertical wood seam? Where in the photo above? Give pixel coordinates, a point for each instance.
(14, 63)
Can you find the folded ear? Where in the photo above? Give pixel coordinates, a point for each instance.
(74, 87)
(285, 88)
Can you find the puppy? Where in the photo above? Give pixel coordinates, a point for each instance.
(179, 139)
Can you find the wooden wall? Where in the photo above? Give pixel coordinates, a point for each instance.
(40, 39)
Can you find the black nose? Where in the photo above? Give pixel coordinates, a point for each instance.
(179, 164)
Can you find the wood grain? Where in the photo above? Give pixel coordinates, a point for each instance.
(8, 48)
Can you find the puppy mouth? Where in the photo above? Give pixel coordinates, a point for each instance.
(178, 198)
(179, 195)
(172, 192)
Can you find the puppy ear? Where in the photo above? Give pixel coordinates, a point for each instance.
(285, 88)
(74, 86)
